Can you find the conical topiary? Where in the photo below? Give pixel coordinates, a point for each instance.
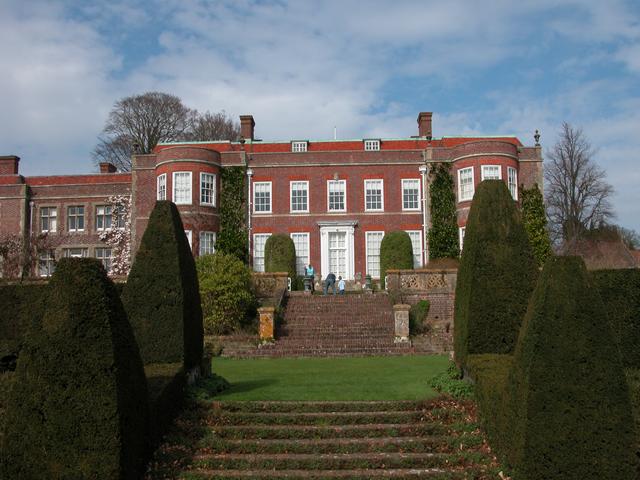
(280, 255)
(396, 252)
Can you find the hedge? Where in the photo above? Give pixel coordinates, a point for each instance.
(443, 234)
(620, 291)
(280, 255)
(572, 412)
(496, 276)
(78, 407)
(162, 296)
(22, 305)
(417, 316)
(396, 252)
(167, 383)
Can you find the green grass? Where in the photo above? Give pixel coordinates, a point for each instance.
(327, 379)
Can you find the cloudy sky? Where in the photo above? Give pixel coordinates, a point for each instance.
(303, 67)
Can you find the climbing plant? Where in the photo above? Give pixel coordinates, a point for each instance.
(443, 234)
(118, 237)
(535, 223)
(233, 231)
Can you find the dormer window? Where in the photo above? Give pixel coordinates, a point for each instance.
(372, 145)
(299, 146)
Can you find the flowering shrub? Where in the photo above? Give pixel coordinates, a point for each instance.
(118, 237)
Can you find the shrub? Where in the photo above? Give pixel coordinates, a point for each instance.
(496, 276)
(620, 291)
(161, 296)
(572, 412)
(534, 218)
(280, 255)
(232, 237)
(396, 252)
(78, 407)
(228, 301)
(417, 315)
(167, 383)
(443, 234)
(452, 383)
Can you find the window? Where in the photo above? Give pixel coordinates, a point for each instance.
(189, 235)
(262, 197)
(373, 196)
(259, 239)
(182, 188)
(103, 217)
(373, 241)
(465, 184)
(416, 244)
(208, 189)
(372, 145)
(118, 213)
(461, 236)
(46, 264)
(512, 175)
(299, 196)
(411, 194)
(105, 256)
(207, 243)
(491, 172)
(76, 252)
(75, 218)
(162, 187)
(336, 195)
(301, 242)
(299, 146)
(48, 219)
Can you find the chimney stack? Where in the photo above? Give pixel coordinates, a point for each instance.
(9, 165)
(247, 126)
(424, 125)
(106, 167)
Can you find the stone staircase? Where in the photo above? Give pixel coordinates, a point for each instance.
(437, 439)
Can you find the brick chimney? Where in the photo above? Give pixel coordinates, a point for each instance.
(424, 125)
(9, 165)
(247, 126)
(106, 167)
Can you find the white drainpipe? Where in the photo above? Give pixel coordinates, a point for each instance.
(249, 207)
(424, 171)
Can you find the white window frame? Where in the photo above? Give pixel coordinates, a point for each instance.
(411, 209)
(161, 187)
(344, 193)
(104, 216)
(373, 257)
(366, 189)
(299, 146)
(75, 252)
(485, 168)
(212, 192)
(468, 197)
(46, 263)
(306, 189)
(259, 266)
(513, 186)
(270, 191)
(461, 231)
(416, 247)
(52, 220)
(76, 216)
(301, 260)
(189, 234)
(107, 262)
(211, 243)
(182, 201)
(371, 145)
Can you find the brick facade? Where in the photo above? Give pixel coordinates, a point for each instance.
(337, 239)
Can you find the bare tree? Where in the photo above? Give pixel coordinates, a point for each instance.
(577, 194)
(213, 126)
(115, 150)
(630, 237)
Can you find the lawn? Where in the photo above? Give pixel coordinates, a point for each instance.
(325, 379)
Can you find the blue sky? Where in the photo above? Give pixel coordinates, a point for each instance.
(303, 67)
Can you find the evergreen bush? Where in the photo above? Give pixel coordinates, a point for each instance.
(534, 218)
(78, 407)
(161, 296)
(396, 252)
(496, 276)
(443, 234)
(569, 396)
(232, 237)
(280, 255)
(417, 316)
(228, 302)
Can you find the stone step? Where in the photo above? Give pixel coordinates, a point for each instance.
(321, 406)
(355, 474)
(320, 418)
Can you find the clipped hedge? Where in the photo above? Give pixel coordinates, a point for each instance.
(161, 296)
(396, 252)
(280, 255)
(167, 383)
(496, 276)
(417, 316)
(620, 291)
(22, 305)
(78, 407)
(572, 413)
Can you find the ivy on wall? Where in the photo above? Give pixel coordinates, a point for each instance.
(232, 237)
(535, 223)
(443, 234)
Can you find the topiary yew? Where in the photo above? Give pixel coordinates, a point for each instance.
(570, 401)
(396, 252)
(496, 276)
(280, 255)
(78, 407)
(162, 297)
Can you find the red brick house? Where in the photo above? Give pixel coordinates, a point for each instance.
(335, 198)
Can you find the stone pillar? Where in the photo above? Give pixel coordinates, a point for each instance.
(267, 322)
(401, 318)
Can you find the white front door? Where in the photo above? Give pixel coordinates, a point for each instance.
(338, 254)
(336, 248)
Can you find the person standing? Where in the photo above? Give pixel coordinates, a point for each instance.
(330, 281)
(311, 274)
(341, 286)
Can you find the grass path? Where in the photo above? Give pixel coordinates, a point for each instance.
(330, 379)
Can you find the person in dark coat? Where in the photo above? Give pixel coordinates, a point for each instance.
(330, 281)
